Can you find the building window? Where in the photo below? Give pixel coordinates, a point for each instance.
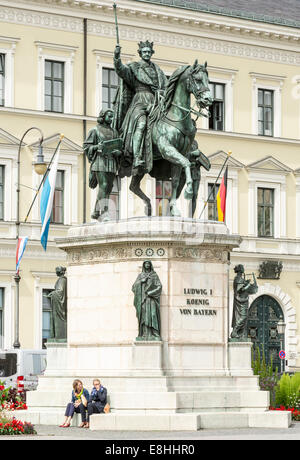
(212, 210)
(217, 109)
(2, 78)
(2, 169)
(265, 212)
(54, 86)
(110, 83)
(47, 317)
(163, 195)
(265, 112)
(57, 216)
(1, 317)
(114, 198)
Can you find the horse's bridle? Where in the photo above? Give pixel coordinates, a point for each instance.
(196, 92)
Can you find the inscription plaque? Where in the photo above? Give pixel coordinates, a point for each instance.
(200, 297)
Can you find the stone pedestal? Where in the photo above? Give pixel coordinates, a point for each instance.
(147, 356)
(240, 358)
(191, 260)
(193, 370)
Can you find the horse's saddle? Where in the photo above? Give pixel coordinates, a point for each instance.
(204, 161)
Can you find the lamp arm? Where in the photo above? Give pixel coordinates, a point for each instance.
(19, 175)
(44, 178)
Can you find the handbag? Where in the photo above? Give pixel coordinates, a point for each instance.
(106, 408)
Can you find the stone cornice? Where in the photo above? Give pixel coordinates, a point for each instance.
(250, 137)
(56, 46)
(157, 17)
(9, 40)
(40, 113)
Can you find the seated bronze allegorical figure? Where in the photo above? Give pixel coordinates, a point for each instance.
(242, 289)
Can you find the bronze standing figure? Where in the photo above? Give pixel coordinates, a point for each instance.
(147, 290)
(58, 299)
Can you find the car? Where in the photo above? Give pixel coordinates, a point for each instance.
(20, 368)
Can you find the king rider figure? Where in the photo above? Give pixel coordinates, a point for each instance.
(146, 82)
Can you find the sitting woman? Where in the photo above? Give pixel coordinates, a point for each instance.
(97, 401)
(78, 404)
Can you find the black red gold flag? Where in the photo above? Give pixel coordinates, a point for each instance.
(221, 197)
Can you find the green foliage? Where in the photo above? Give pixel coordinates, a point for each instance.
(260, 366)
(5, 417)
(268, 378)
(4, 393)
(288, 391)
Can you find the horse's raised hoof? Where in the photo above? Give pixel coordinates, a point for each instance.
(138, 170)
(174, 211)
(148, 209)
(95, 215)
(188, 193)
(105, 217)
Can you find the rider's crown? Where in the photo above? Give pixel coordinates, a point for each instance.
(145, 44)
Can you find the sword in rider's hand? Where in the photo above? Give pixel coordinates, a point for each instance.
(214, 186)
(116, 22)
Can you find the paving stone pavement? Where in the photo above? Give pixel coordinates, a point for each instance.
(45, 432)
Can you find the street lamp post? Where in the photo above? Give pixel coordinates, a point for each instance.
(281, 329)
(40, 168)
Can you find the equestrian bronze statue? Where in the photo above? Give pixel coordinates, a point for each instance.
(154, 118)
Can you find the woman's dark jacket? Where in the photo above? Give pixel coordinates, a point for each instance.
(99, 398)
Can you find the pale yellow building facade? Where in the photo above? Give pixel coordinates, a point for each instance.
(251, 60)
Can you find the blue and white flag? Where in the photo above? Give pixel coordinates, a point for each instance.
(47, 200)
(21, 245)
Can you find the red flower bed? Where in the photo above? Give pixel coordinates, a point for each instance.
(295, 412)
(18, 405)
(12, 400)
(12, 427)
(15, 427)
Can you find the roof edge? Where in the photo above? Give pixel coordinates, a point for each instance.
(205, 8)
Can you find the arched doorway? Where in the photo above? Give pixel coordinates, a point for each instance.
(264, 314)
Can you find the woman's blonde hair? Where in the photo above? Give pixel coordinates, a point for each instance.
(75, 384)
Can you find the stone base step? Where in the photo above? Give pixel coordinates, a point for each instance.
(46, 416)
(164, 422)
(187, 401)
(190, 422)
(129, 383)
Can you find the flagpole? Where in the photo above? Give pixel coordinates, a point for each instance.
(44, 177)
(213, 188)
(17, 276)
(116, 23)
